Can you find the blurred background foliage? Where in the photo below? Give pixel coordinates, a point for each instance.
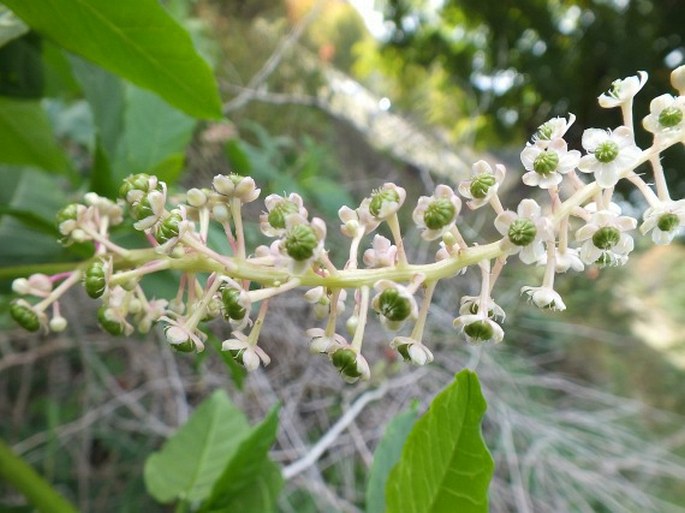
(302, 82)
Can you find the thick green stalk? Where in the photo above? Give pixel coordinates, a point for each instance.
(37, 490)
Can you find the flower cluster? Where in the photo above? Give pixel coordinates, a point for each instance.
(578, 226)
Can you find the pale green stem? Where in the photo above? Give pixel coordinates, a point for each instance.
(269, 292)
(394, 225)
(417, 331)
(333, 315)
(496, 204)
(236, 212)
(57, 292)
(123, 277)
(363, 315)
(189, 240)
(550, 268)
(563, 235)
(353, 260)
(201, 308)
(645, 189)
(627, 114)
(500, 262)
(660, 179)
(484, 297)
(259, 322)
(104, 241)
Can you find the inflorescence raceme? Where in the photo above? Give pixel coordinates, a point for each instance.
(213, 285)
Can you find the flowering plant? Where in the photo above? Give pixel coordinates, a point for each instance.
(231, 287)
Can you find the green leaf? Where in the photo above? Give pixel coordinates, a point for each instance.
(386, 456)
(11, 27)
(445, 466)
(154, 138)
(136, 39)
(250, 482)
(21, 68)
(238, 372)
(105, 94)
(193, 458)
(26, 137)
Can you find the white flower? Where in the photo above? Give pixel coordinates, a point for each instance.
(553, 129)
(545, 298)
(435, 214)
(248, 355)
(609, 154)
(149, 209)
(664, 221)
(678, 79)
(482, 185)
(382, 253)
(545, 165)
(605, 242)
(470, 305)
(525, 231)
(622, 90)
(322, 343)
(412, 350)
(394, 304)
(302, 241)
(383, 202)
(177, 333)
(356, 220)
(351, 364)
(479, 329)
(272, 223)
(565, 260)
(665, 115)
(320, 298)
(236, 186)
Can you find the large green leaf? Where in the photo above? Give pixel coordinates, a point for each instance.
(154, 138)
(26, 137)
(250, 482)
(445, 466)
(385, 457)
(192, 460)
(136, 39)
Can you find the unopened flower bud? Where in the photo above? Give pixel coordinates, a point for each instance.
(24, 315)
(678, 79)
(94, 279)
(21, 286)
(137, 182)
(196, 197)
(58, 324)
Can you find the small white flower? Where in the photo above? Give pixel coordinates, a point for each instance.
(236, 186)
(565, 260)
(622, 90)
(321, 299)
(482, 185)
(150, 208)
(605, 242)
(545, 165)
(272, 223)
(553, 129)
(394, 304)
(664, 221)
(322, 343)
(470, 305)
(248, 355)
(177, 333)
(412, 350)
(609, 154)
(479, 329)
(351, 364)
(545, 298)
(383, 202)
(436, 214)
(382, 253)
(525, 231)
(357, 220)
(303, 241)
(665, 115)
